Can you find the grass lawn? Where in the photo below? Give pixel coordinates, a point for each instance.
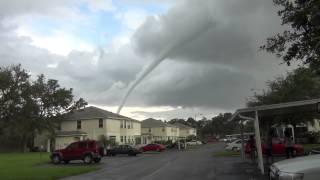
(35, 166)
(226, 154)
(309, 147)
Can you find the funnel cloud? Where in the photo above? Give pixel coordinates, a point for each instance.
(185, 38)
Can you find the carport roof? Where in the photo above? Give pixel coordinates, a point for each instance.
(304, 106)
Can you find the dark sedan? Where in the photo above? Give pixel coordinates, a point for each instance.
(124, 149)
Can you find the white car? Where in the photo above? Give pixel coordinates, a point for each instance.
(194, 142)
(234, 145)
(302, 168)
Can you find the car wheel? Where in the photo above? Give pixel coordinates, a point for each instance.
(97, 160)
(66, 162)
(87, 159)
(294, 153)
(56, 159)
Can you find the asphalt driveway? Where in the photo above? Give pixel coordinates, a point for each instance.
(192, 164)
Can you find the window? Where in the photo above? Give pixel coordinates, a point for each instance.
(125, 124)
(82, 145)
(121, 138)
(125, 139)
(79, 124)
(72, 146)
(129, 125)
(121, 124)
(149, 129)
(163, 129)
(100, 123)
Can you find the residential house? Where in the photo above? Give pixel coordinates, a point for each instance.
(92, 122)
(185, 130)
(155, 130)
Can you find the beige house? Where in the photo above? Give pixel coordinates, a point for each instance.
(92, 122)
(156, 130)
(185, 130)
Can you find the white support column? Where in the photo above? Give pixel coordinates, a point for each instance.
(258, 142)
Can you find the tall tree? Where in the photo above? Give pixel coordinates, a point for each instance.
(301, 84)
(31, 107)
(302, 40)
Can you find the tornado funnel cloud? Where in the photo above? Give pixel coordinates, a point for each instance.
(165, 53)
(150, 68)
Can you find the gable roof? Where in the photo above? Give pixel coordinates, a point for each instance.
(183, 126)
(92, 112)
(149, 123)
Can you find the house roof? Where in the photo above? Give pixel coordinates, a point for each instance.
(149, 123)
(183, 126)
(71, 133)
(92, 112)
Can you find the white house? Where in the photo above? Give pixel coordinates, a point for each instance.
(92, 122)
(185, 130)
(156, 130)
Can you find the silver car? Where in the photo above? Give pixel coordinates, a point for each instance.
(302, 168)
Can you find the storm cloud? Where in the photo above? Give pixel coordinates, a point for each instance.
(217, 69)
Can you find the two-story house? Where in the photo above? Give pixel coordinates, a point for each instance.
(92, 122)
(185, 130)
(155, 130)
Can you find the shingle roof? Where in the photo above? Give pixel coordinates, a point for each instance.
(183, 126)
(149, 123)
(92, 112)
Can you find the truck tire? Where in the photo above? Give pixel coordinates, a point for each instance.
(87, 159)
(56, 159)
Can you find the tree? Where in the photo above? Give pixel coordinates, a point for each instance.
(301, 84)
(302, 40)
(31, 107)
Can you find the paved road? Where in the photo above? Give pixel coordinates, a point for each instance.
(192, 164)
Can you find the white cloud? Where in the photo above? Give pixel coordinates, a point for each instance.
(133, 18)
(57, 43)
(101, 5)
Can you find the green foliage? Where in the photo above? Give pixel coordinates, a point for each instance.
(31, 107)
(301, 84)
(302, 40)
(218, 125)
(36, 166)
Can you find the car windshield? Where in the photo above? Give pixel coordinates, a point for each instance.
(158, 89)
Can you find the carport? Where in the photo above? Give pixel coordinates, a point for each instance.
(254, 113)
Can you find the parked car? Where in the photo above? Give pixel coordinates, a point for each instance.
(315, 150)
(234, 145)
(89, 151)
(124, 149)
(194, 142)
(278, 149)
(153, 147)
(301, 168)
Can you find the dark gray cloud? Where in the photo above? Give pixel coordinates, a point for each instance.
(215, 70)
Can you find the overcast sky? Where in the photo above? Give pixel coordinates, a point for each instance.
(98, 47)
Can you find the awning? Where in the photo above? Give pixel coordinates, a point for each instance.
(253, 113)
(70, 133)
